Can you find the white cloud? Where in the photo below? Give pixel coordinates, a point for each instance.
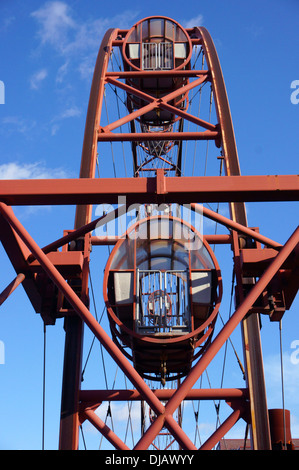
(120, 420)
(37, 170)
(86, 67)
(195, 21)
(120, 412)
(17, 124)
(10, 171)
(37, 78)
(71, 112)
(62, 71)
(55, 21)
(74, 39)
(5, 22)
(290, 381)
(273, 379)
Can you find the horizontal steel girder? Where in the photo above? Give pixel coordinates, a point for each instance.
(181, 190)
(98, 396)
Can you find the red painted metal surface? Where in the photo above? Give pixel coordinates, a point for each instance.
(98, 396)
(280, 424)
(11, 287)
(108, 190)
(38, 269)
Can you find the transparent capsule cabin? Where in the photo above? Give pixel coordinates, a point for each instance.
(162, 288)
(157, 44)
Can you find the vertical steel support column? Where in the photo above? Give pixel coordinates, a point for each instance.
(69, 424)
(260, 428)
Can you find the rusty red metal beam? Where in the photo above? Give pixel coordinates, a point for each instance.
(11, 287)
(235, 226)
(73, 325)
(83, 312)
(98, 396)
(157, 73)
(18, 253)
(221, 430)
(104, 429)
(211, 239)
(75, 234)
(219, 341)
(93, 117)
(139, 190)
(187, 116)
(149, 98)
(155, 103)
(78, 305)
(253, 356)
(157, 189)
(153, 136)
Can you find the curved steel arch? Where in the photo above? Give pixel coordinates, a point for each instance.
(74, 326)
(89, 149)
(229, 146)
(260, 429)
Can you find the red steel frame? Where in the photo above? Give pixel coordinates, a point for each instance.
(164, 413)
(27, 257)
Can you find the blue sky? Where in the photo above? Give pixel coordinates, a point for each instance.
(47, 55)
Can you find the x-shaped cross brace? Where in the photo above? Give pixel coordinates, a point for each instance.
(157, 103)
